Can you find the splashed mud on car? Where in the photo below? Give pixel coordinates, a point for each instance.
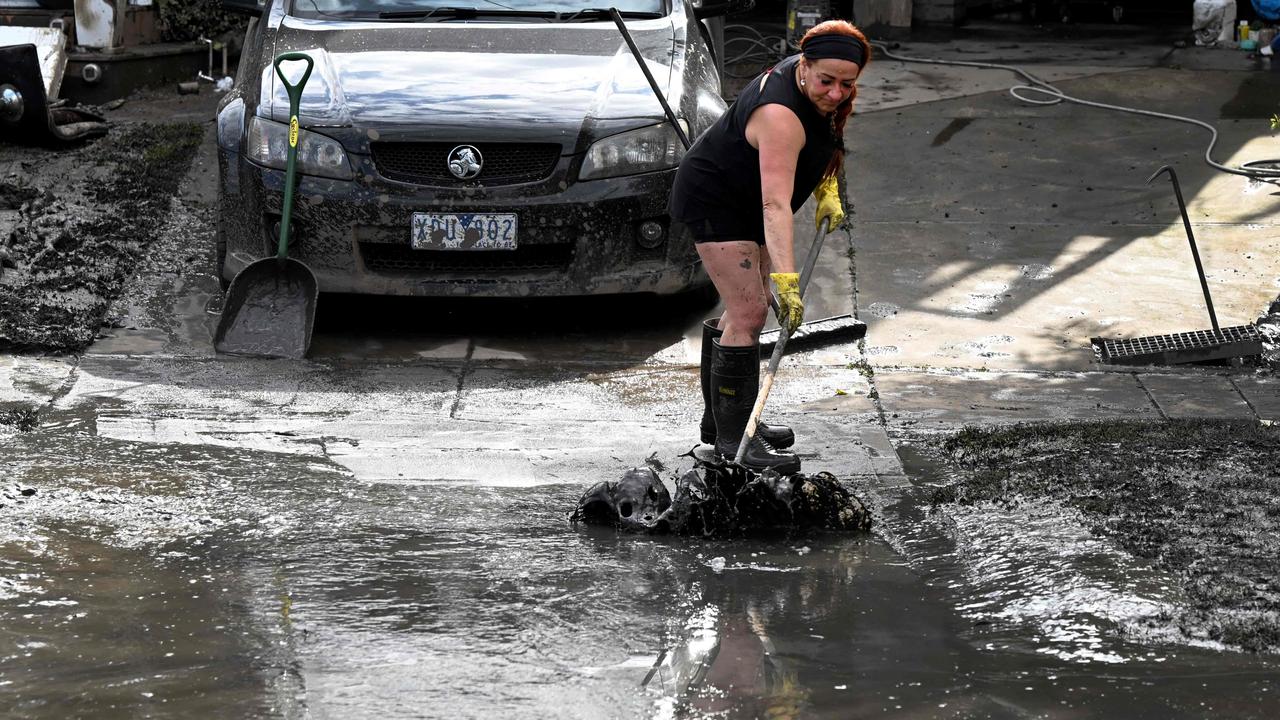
(536, 162)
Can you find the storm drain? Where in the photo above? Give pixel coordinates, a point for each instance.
(1195, 346)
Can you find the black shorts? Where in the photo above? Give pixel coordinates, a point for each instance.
(711, 218)
(724, 229)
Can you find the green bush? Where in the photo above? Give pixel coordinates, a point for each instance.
(183, 20)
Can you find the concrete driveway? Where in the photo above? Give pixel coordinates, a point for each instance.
(992, 233)
(322, 526)
(986, 234)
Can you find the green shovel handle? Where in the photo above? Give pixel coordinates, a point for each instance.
(295, 98)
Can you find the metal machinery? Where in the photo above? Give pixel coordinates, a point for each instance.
(802, 15)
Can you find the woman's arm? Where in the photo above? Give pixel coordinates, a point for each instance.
(776, 132)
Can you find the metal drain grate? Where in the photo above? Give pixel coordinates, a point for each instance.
(1194, 346)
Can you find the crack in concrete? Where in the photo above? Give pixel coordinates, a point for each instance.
(1252, 409)
(67, 385)
(467, 366)
(1155, 403)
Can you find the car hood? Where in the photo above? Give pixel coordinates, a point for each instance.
(395, 80)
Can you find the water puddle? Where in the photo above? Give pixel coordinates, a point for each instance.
(199, 581)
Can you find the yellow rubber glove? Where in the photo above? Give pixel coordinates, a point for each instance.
(828, 196)
(790, 306)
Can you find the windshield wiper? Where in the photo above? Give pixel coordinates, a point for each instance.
(601, 14)
(442, 11)
(465, 12)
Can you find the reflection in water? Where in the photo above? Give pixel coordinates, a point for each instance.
(740, 653)
(1033, 568)
(193, 581)
(1054, 575)
(736, 668)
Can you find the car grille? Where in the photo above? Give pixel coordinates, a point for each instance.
(426, 163)
(395, 259)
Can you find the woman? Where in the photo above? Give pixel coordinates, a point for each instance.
(737, 190)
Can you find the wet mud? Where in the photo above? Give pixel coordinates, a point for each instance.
(22, 419)
(1196, 500)
(715, 499)
(76, 224)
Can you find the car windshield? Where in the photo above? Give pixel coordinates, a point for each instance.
(430, 10)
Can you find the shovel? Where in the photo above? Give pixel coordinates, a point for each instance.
(783, 335)
(271, 304)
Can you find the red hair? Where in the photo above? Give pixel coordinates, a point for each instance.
(840, 27)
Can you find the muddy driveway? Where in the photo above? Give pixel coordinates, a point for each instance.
(381, 531)
(176, 580)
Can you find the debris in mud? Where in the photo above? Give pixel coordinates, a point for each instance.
(74, 246)
(21, 419)
(1269, 329)
(14, 194)
(721, 500)
(13, 491)
(1199, 499)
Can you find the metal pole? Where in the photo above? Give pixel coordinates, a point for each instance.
(644, 67)
(1191, 238)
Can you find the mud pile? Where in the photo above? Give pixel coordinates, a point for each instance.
(1198, 499)
(721, 500)
(74, 238)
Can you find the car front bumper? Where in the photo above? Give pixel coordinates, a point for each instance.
(574, 239)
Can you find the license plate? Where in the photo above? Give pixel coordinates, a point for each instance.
(464, 231)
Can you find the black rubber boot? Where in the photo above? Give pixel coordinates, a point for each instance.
(779, 436)
(735, 380)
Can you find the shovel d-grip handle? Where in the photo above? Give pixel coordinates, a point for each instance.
(295, 99)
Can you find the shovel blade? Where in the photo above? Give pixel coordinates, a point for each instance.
(269, 311)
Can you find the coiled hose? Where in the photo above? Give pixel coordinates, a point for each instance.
(1253, 169)
(765, 50)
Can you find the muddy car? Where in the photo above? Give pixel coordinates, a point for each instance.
(448, 148)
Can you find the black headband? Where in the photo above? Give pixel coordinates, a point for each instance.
(834, 45)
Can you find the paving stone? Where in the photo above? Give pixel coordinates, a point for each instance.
(1263, 394)
(974, 398)
(1196, 396)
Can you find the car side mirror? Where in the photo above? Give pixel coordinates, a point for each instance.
(703, 9)
(244, 7)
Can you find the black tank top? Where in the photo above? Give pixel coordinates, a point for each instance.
(719, 176)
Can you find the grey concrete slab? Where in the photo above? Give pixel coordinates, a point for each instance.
(478, 423)
(891, 83)
(33, 380)
(993, 234)
(1196, 396)
(1263, 394)
(944, 400)
(280, 406)
(879, 448)
(853, 404)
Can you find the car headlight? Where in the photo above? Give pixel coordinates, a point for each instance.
(645, 149)
(231, 125)
(268, 144)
